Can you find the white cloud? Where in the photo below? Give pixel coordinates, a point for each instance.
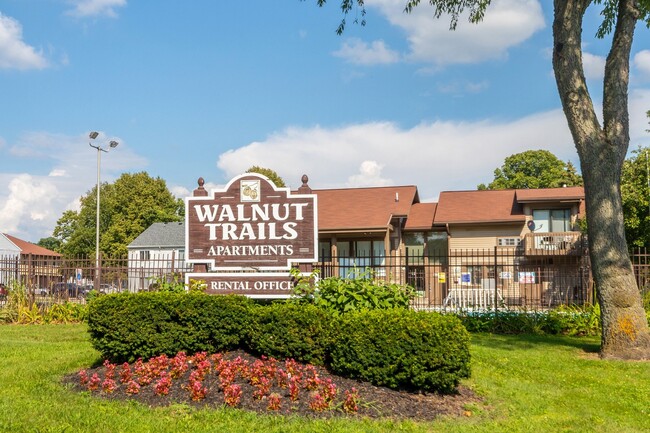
(462, 87)
(594, 66)
(506, 24)
(57, 172)
(28, 198)
(642, 62)
(89, 8)
(180, 191)
(14, 53)
(30, 204)
(356, 51)
(369, 175)
(435, 156)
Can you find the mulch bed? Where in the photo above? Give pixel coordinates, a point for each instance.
(373, 401)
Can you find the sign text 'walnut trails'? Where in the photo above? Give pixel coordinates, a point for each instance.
(251, 224)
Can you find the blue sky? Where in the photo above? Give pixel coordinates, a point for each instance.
(209, 88)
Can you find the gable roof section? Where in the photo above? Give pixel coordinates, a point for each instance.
(161, 235)
(421, 216)
(30, 248)
(467, 207)
(568, 194)
(8, 247)
(363, 208)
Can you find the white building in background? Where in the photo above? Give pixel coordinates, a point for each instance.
(159, 252)
(8, 249)
(9, 253)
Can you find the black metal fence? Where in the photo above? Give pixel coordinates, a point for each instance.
(502, 277)
(74, 278)
(478, 279)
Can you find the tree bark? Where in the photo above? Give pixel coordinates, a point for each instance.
(602, 150)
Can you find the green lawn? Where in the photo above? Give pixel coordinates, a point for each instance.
(530, 383)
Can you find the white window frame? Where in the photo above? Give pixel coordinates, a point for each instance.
(511, 241)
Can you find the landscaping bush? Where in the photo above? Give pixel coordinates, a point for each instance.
(402, 349)
(20, 307)
(287, 330)
(565, 320)
(124, 327)
(342, 295)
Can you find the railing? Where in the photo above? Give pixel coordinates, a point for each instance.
(502, 277)
(463, 279)
(557, 243)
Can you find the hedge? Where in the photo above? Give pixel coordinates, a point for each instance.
(402, 349)
(286, 330)
(397, 348)
(125, 327)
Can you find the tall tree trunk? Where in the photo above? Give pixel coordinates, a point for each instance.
(602, 150)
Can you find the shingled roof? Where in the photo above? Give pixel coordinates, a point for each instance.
(161, 235)
(462, 207)
(499, 206)
(572, 193)
(363, 208)
(30, 248)
(421, 216)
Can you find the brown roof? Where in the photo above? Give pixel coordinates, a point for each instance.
(421, 216)
(363, 208)
(571, 193)
(29, 248)
(478, 207)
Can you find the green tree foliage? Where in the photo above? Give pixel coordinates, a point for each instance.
(271, 174)
(534, 169)
(51, 243)
(636, 201)
(128, 206)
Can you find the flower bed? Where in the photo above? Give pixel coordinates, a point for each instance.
(238, 380)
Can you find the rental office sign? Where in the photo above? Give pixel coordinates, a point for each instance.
(250, 225)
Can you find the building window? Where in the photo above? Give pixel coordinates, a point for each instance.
(324, 251)
(552, 220)
(144, 255)
(508, 242)
(355, 257)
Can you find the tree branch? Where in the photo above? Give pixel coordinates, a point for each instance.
(569, 73)
(617, 71)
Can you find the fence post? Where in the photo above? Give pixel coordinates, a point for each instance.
(496, 289)
(406, 267)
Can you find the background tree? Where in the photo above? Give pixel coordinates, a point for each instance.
(601, 148)
(636, 198)
(271, 174)
(51, 243)
(534, 169)
(128, 206)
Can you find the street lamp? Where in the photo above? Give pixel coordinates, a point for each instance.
(112, 144)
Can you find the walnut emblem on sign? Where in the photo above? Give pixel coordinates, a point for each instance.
(250, 191)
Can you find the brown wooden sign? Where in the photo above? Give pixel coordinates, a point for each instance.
(252, 284)
(251, 224)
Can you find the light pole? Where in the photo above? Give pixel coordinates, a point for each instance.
(112, 144)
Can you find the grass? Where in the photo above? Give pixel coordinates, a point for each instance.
(530, 383)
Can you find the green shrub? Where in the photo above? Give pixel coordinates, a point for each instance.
(402, 349)
(124, 327)
(68, 312)
(287, 330)
(566, 320)
(342, 295)
(20, 307)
